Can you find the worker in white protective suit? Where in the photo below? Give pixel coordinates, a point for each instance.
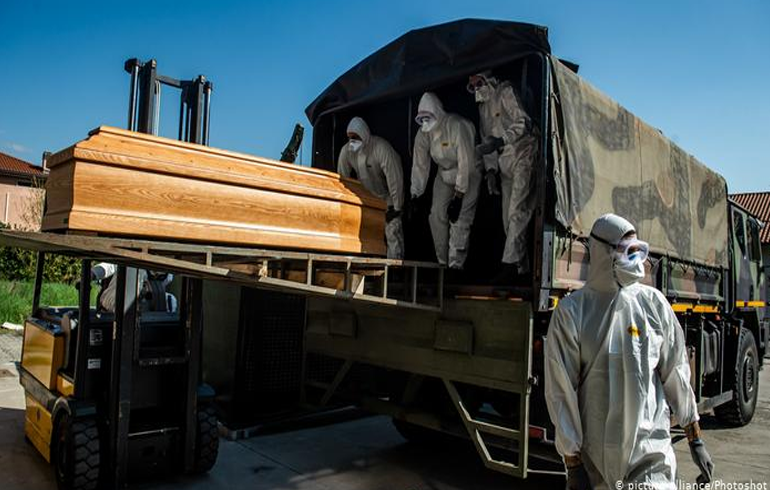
(374, 162)
(449, 140)
(615, 363)
(508, 149)
(152, 296)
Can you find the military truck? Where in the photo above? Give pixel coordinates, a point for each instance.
(474, 368)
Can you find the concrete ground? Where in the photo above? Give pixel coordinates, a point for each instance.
(367, 454)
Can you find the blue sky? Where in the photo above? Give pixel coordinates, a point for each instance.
(698, 70)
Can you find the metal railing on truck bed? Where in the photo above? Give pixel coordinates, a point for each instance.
(398, 283)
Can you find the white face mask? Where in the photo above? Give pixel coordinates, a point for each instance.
(627, 271)
(482, 93)
(428, 124)
(355, 145)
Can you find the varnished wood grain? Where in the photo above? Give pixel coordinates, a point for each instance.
(118, 182)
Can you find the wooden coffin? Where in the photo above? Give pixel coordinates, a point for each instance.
(122, 183)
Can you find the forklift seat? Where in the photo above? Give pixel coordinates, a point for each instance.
(70, 340)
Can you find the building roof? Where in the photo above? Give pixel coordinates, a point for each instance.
(16, 167)
(758, 204)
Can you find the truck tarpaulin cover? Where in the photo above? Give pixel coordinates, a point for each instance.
(607, 160)
(426, 57)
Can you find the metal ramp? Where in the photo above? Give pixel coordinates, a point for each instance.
(398, 283)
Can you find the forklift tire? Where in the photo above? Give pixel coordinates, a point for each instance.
(206, 440)
(75, 454)
(740, 410)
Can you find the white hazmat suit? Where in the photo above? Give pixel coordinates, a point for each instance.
(377, 165)
(106, 273)
(501, 116)
(615, 362)
(450, 142)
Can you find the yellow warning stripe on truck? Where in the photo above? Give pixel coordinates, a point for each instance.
(750, 304)
(685, 307)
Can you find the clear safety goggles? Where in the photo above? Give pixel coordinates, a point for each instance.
(475, 83)
(423, 117)
(628, 250)
(632, 251)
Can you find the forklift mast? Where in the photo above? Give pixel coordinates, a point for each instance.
(145, 97)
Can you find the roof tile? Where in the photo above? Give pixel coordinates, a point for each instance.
(15, 166)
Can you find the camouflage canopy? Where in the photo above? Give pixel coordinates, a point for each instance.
(608, 160)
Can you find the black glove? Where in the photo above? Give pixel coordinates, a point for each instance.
(702, 459)
(391, 214)
(577, 478)
(455, 206)
(492, 187)
(490, 144)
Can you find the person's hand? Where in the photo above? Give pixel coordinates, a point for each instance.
(702, 459)
(455, 206)
(577, 478)
(490, 144)
(491, 178)
(391, 214)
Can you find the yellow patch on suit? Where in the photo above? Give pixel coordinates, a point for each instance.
(633, 331)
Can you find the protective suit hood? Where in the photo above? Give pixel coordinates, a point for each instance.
(610, 228)
(359, 127)
(430, 103)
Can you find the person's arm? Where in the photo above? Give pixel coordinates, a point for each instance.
(103, 270)
(562, 377)
(674, 372)
(490, 159)
(390, 163)
(512, 105)
(420, 164)
(168, 280)
(674, 368)
(465, 139)
(343, 162)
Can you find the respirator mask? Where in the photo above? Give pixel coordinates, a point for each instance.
(628, 261)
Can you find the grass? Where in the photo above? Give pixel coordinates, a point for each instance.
(16, 299)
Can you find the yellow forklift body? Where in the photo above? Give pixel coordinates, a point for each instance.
(43, 353)
(64, 385)
(38, 426)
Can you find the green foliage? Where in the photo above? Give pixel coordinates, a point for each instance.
(16, 299)
(18, 264)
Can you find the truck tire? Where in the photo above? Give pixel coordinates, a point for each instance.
(740, 410)
(206, 440)
(75, 453)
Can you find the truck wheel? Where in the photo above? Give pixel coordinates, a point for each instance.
(740, 410)
(75, 454)
(206, 440)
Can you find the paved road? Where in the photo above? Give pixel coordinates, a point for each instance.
(366, 454)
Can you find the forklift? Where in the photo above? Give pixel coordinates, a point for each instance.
(118, 394)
